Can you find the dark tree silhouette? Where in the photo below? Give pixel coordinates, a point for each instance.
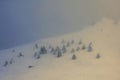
(35, 54)
(43, 50)
(78, 48)
(36, 46)
(80, 42)
(59, 54)
(73, 50)
(83, 47)
(5, 64)
(52, 50)
(72, 41)
(11, 61)
(38, 56)
(98, 56)
(90, 47)
(64, 49)
(20, 55)
(13, 50)
(68, 44)
(63, 41)
(74, 57)
(30, 66)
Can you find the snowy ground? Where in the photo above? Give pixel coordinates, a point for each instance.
(87, 65)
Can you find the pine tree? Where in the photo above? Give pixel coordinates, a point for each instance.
(36, 46)
(73, 50)
(90, 47)
(38, 56)
(30, 66)
(11, 61)
(98, 56)
(80, 42)
(78, 48)
(74, 57)
(5, 64)
(43, 50)
(35, 55)
(64, 49)
(59, 54)
(63, 41)
(68, 44)
(13, 50)
(83, 47)
(72, 41)
(52, 49)
(20, 55)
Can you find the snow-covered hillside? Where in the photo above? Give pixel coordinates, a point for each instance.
(92, 54)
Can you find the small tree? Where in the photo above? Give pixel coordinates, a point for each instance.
(20, 55)
(59, 53)
(43, 50)
(63, 41)
(80, 42)
(64, 49)
(78, 48)
(5, 64)
(36, 46)
(68, 44)
(38, 56)
(90, 47)
(30, 66)
(73, 50)
(13, 50)
(11, 61)
(98, 56)
(72, 41)
(83, 47)
(74, 57)
(35, 55)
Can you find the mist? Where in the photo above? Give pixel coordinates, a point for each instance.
(24, 21)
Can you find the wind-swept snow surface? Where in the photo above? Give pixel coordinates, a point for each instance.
(92, 54)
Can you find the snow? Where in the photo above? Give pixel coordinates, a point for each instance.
(105, 40)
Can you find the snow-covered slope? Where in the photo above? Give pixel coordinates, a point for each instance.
(92, 54)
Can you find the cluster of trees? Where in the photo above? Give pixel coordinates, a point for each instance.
(58, 51)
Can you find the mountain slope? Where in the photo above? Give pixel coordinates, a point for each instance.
(96, 51)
